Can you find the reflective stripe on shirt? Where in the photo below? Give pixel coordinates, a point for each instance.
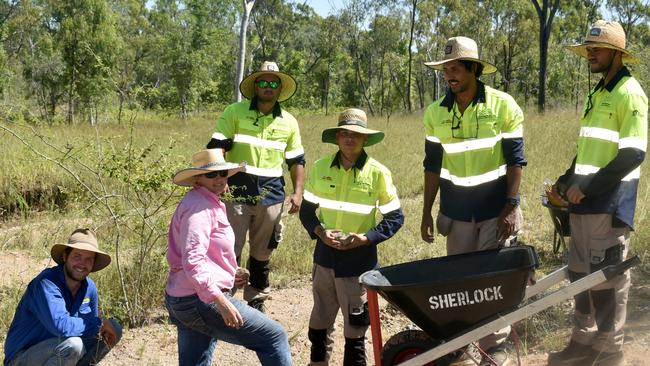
(475, 180)
(266, 144)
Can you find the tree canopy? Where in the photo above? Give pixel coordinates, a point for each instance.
(72, 60)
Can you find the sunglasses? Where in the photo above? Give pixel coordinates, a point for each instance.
(263, 84)
(217, 173)
(456, 130)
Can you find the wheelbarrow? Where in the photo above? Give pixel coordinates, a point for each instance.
(459, 299)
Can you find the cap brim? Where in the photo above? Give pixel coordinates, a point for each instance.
(288, 83)
(182, 177)
(488, 68)
(102, 259)
(374, 137)
(581, 50)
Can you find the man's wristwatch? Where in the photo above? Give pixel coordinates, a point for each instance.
(514, 202)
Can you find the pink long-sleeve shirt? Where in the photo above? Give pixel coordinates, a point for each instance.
(200, 252)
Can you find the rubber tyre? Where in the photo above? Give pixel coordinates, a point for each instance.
(406, 345)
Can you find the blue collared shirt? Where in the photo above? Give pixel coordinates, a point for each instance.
(48, 309)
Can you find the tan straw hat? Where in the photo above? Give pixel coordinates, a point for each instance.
(461, 48)
(83, 239)
(604, 34)
(354, 120)
(205, 161)
(287, 83)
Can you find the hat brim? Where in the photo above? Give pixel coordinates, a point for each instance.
(488, 68)
(287, 82)
(581, 50)
(183, 177)
(374, 137)
(102, 259)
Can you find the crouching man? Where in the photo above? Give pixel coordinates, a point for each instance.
(347, 188)
(56, 321)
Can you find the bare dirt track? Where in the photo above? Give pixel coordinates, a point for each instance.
(155, 343)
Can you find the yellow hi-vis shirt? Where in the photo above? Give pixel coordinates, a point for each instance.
(262, 141)
(348, 200)
(471, 151)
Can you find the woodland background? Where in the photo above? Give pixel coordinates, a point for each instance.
(70, 61)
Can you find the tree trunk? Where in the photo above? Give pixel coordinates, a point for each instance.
(545, 15)
(408, 77)
(248, 6)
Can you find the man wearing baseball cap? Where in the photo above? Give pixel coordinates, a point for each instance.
(474, 154)
(57, 320)
(264, 135)
(343, 195)
(600, 188)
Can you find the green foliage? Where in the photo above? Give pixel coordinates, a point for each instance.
(96, 60)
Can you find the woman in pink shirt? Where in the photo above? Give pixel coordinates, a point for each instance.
(203, 272)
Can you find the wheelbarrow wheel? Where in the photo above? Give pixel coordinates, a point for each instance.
(405, 345)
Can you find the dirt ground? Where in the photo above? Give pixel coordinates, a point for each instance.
(155, 343)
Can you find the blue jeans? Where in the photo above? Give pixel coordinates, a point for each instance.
(200, 325)
(71, 351)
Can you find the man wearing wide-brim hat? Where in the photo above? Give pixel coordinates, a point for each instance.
(57, 320)
(474, 155)
(263, 134)
(343, 193)
(600, 188)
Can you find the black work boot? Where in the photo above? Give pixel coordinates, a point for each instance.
(597, 358)
(355, 352)
(574, 354)
(258, 304)
(318, 339)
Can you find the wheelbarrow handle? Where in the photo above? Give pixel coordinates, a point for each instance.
(614, 270)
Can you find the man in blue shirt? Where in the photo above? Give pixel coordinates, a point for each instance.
(56, 321)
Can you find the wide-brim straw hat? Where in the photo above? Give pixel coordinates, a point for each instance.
(287, 82)
(83, 239)
(604, 34)
(206, 161)
(461, 48)
(354, 120)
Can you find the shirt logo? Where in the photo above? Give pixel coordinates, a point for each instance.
(86, 300)
(327, 178)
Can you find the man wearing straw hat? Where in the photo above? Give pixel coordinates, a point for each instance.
(474, 154)
(601, 188)
(57, 320)
(347, 188)
(262, 133)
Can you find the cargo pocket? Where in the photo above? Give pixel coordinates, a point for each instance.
(276, 235)
(601, 258)
(358, 315)
(443, 224)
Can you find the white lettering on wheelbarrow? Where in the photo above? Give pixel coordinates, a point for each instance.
(455, 299)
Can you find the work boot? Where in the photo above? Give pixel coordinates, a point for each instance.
(467, 356)
(355, 352)
(597, 358)
(574, 354)
(258, 304)
(318, 339)
(497, 356)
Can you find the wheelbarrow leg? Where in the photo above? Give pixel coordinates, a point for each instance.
(375, 325)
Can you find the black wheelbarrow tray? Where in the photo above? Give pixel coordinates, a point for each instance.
(462, 298)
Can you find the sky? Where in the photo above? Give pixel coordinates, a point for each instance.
(325, 7)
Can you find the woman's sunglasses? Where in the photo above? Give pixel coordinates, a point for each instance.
(263, 84)
(217, 173)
